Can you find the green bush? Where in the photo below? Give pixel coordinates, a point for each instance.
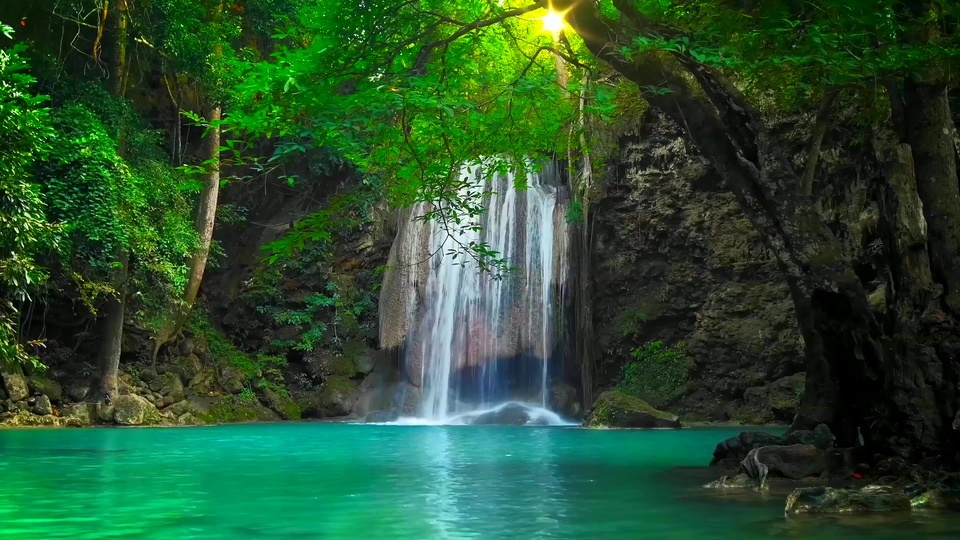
(657, 374)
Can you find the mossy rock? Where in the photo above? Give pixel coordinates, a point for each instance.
(615, 409)
(281, 403)
(47, 387)
(230, 409)
(338, 396)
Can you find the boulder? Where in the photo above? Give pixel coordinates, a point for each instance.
(16, 386)
(795, 462)
(78, 414)
(835, 500)
(511, 414)
(730, 452)
(615, 409)
(379, 417)
(179, 408)
(43, 406)
(338, 396)
(282, 404)
(47, 387)
(133, 410)
(78, 391)
(232, 379)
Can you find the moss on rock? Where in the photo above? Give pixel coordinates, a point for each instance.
(615, 409)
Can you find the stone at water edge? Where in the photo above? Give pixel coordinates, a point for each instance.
(796, 461)
(511, 414)
(836, 500)
(43, 406)
(740, 481)
(131, 410)
(615, 409)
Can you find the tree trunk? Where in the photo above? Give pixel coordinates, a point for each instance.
(111, 334)
(929, 132)
(206, 217)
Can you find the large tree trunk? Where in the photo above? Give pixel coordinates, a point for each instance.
(868, 371)
(929, 132)
(206, 217)
(111, 334)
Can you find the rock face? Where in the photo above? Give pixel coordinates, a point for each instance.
(615, 409)
(833, 500)
(46, 387)
(675, 260)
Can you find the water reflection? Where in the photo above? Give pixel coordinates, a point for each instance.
(355, 481)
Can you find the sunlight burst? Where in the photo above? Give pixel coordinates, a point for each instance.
(553, 22)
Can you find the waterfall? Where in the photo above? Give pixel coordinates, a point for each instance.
(473, 340)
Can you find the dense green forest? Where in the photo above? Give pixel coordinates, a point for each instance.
(122, 119)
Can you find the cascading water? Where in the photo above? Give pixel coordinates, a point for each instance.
(474, 342)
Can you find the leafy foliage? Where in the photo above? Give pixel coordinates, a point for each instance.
(261, 370)
(25, 234)
(657, 374)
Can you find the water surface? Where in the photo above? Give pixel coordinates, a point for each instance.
(329, 481)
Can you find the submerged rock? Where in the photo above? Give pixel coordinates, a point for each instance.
(740, 481)
(615, 409)
(836, 500)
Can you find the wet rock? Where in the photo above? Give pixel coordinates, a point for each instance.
(511, 414)
(795, 462)
(836, 500)
(16, 386)
(730, 452)
(377, 395)
(616, 409)
(563, 399)
(105, 413)
(78, 391)
(740, 481)
(48, 387)
(133, 411)
(43, 406)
